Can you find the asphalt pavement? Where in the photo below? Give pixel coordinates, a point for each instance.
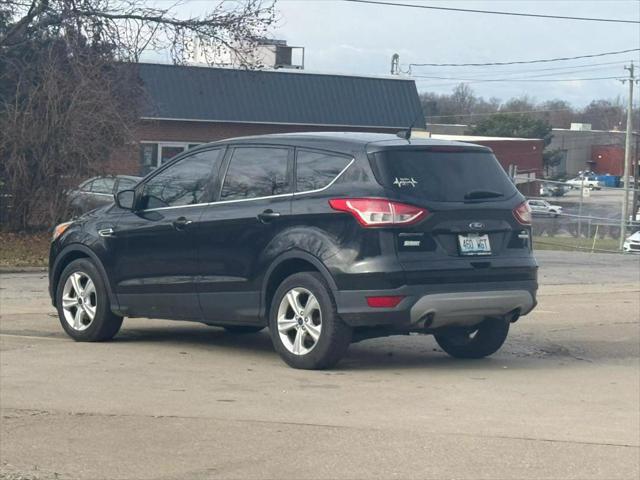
(176, 400)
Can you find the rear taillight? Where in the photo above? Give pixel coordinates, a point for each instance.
(378, 212)
(523, 213)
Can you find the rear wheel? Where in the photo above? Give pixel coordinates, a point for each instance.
(475, 342)
(83, 304)
(305, 327)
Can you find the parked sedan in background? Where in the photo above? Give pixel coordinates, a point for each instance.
(553, 190)
(98, 191)
(542, 208)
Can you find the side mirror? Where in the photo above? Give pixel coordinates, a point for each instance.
(125, 199)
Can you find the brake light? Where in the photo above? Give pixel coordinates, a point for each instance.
(384, 302)
(379, 212)
(523, 213)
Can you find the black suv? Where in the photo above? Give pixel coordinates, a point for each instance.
(326, 238)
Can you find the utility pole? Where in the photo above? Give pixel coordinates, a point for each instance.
(627, 156)
(635, 204)
(395, 64)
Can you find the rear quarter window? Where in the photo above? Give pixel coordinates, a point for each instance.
(442, 176)
(316, 170)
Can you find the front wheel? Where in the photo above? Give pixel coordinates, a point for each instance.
(304, 324)
(474, 342)
(83, 304)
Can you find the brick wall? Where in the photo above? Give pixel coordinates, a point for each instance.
(127, 160)
(199, 132)
(608, 159)
(124, 161)
(526, 154)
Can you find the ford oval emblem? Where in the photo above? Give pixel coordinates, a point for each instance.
(476, 225)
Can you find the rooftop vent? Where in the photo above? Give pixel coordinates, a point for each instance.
(581, 127)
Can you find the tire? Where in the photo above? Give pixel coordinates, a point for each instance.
(242, 329)
(320, 341)
(479, 343)
(93, 298)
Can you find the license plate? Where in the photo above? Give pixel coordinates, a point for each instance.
(474, 244)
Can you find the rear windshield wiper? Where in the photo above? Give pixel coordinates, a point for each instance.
(474, 194)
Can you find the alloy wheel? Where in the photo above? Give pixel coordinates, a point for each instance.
(299, 321)
(79, 301)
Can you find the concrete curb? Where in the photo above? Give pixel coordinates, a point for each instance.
(22, 269)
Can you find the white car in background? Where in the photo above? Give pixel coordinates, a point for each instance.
(632, 243)
(542, 208)
(587, 182)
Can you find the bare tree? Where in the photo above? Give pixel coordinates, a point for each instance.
(132, 27)
(64, 119)
(605, 114)
(70, 96)
(461, 106)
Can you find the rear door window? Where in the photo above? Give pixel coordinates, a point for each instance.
(316, 170)
(443, 175)
(256, 172)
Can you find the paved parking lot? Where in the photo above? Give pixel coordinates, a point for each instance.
(171, 400)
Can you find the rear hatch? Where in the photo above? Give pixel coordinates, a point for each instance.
(470, 223)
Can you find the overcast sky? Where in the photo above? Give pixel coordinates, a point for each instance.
(360, 39)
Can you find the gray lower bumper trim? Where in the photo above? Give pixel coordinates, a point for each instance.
(468, 308)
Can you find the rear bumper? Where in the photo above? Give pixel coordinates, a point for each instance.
(429, 306)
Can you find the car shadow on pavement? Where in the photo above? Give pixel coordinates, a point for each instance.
(378, 354)
(198, 337)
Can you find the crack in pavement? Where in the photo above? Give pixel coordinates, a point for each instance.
(30, 413)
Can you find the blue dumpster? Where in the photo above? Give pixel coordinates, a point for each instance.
(609, 180)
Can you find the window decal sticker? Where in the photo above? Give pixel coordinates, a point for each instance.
(405, 182)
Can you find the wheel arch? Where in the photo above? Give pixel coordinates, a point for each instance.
(74, 252)
(286, 265)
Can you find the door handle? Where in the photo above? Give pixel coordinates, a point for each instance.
(107, 232)
(181, 223)
(268, 215)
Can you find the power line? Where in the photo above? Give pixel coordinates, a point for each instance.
(482, 77)
(474, 80)
(556, 70)
(494, 12)
(520, 62)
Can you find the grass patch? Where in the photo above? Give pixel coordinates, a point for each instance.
(571, 244)
(24, 249)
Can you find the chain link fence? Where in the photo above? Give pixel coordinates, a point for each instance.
(586, 219)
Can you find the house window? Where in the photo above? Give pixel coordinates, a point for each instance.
(155, 154)
(167, 152)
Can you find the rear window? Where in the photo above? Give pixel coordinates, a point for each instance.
(443, 176)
